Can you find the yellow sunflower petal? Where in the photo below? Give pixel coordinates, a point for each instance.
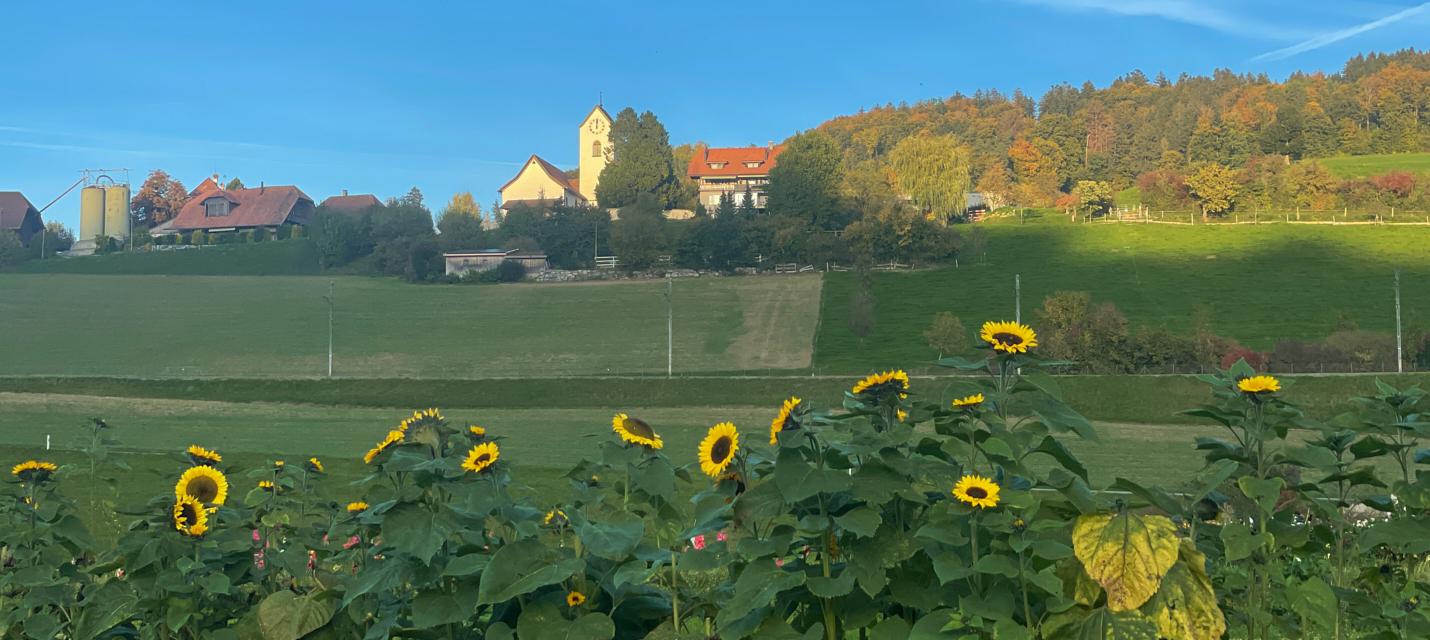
(1009, 337)
(718, 449)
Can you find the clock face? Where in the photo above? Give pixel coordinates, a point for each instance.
(596, 126)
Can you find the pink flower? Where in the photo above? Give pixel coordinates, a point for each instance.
(119, 573)
(352, 542)
(698, 542)
(256, 537)
(258, 560)
(312, 559)
(780, 562)
(721, 536)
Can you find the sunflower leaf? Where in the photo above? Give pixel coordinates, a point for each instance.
(1128, 554)
(285, 615)
(862, 521)
(1185, 605)
(547, 621)
(521, 567)
(614, 538)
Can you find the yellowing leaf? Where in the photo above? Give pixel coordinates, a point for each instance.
(1185, 607)
(1125, 553)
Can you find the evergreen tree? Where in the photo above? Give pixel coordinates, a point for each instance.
(805, 183)
(642, 163)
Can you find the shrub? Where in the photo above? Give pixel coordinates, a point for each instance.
(245, 236)
(510, 271)
(296, 232)
(197, 238)
(284, 232)
(260, 234)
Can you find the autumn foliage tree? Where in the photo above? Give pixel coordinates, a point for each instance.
(158, 200)
(1215, 188)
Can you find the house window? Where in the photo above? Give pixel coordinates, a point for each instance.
(596, 149)
(216, 207)
(717, 165)
(752, 165)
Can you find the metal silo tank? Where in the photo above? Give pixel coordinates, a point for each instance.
(91, 213)
(116, 211)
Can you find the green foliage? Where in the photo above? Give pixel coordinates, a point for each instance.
(933, 171)
(639, 236)
(805, 184)
(946, 334)
(12, 251)
(1215, 188)
(510, 271)
(642, 163)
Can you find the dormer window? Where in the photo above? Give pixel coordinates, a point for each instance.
(718, 165)
(216, 207)
(754, 164)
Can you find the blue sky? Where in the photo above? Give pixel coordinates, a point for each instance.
(381, 96)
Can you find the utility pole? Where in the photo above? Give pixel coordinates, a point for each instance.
(595, 242)
(1018, 298)
(329, 298)
(1399, 343)
(669, 326)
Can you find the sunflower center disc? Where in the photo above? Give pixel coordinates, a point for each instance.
(720, 450)
(977, 493)
(203, 489)
(1008, 338)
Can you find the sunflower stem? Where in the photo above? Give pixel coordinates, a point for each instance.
(674, 593)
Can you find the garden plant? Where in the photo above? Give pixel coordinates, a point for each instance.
(907, 512)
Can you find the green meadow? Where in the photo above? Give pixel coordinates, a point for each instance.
(1375, 164)
(1256, 284)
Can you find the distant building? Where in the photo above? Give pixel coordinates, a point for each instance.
(540, 183)
(209, 185)
(235, 209)
(351, 204)
(733, 170)
(17, 215)
(460, 262)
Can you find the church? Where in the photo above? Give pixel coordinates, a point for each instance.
(540, 183)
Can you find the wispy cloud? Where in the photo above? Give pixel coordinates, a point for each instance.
(1337, 36)
(1201, 14)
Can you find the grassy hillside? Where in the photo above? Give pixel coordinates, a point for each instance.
(195, 326)
(1258, 283)
(285, 258)
(1369, 165)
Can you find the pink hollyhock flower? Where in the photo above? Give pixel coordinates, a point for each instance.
(698, 542)
(780, 562)
(258, 560)
(352, 542)
(119, 573)
(722, 536)
(256, 537)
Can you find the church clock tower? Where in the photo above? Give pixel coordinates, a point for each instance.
(595, 150)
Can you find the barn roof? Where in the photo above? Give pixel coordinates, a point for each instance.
(14, 207)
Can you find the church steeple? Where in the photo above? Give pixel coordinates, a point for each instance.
(594, 150)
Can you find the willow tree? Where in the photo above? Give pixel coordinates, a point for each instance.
(933, 172)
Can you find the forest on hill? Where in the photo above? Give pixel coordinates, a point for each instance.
(1032, 151)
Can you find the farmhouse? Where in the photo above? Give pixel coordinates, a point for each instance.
(233, 209)
(460, 262)
(17, 215)
(741, 172)
(541, 183)
(351, 204)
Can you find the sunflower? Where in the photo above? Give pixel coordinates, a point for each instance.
(784, 420)
(1009, 337)
(357, 507)
(718, 449)
(316, 466)
(901, 415)
(202, 456)
(636, 431)
(34, 470)
(1258, 384)
(278, 465)
(976, 491)
(190, 516)
(393, 437)
(481, 457)
(575, 599)
(203, 483)
(418, 417)
(897, 380)
(267, 485)
(555, 516)
(476, 431)
(968, 402)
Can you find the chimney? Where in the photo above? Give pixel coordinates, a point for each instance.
(345, 192)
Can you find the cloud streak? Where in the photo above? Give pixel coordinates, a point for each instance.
(1337, 36)
(1200, 14)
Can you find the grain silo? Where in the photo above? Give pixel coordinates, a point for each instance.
(116, 211)
(91, 212)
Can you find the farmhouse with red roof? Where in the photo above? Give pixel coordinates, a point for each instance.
(739, 171)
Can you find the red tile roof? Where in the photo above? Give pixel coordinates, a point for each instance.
(734, 159)
(261, 207)
(552, 171)
(351, 204)
(209, 185)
